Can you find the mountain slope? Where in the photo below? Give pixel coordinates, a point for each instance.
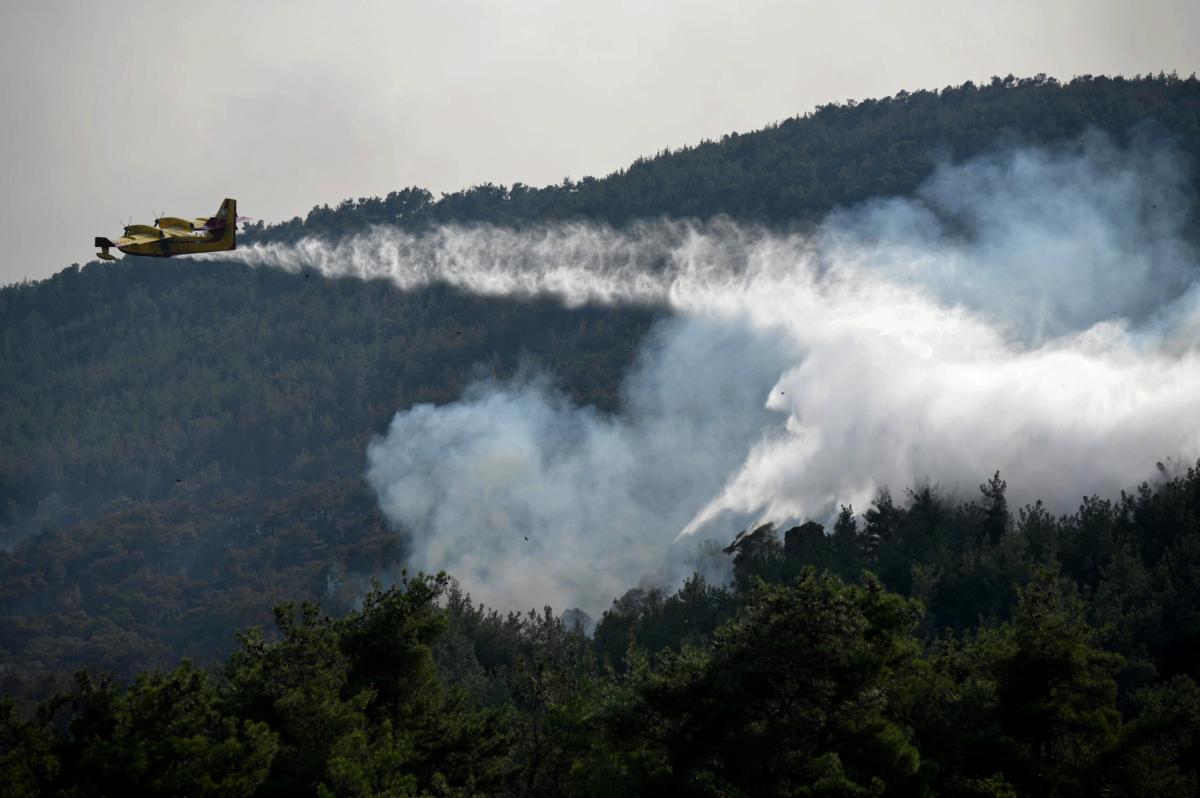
(182, 442)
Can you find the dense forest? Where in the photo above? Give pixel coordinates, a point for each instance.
(182, 448)
(922, 648)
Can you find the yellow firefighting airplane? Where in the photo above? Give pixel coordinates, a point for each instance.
(170, 235)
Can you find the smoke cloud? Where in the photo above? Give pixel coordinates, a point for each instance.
(1032, 311)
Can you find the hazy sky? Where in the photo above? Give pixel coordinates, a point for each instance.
(112, 110)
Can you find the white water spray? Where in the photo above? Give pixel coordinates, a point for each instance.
(1032, 312)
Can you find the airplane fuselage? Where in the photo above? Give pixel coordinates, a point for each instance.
(170, 236)
(165, 247)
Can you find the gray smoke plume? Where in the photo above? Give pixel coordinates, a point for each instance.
(1031, 311)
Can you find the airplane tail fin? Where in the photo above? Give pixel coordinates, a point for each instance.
(226, 220)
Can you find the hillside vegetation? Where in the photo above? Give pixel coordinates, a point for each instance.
(184, 442)
(932, 649)
(798, 170)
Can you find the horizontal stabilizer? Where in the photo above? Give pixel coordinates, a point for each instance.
(103, 243)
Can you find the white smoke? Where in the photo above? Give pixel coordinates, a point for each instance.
(1034, 312)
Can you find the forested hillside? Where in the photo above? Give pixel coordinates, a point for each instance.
(796, 171)
(184, 442)
(182, 448)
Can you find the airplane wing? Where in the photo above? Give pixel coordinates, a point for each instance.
(134, 238)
